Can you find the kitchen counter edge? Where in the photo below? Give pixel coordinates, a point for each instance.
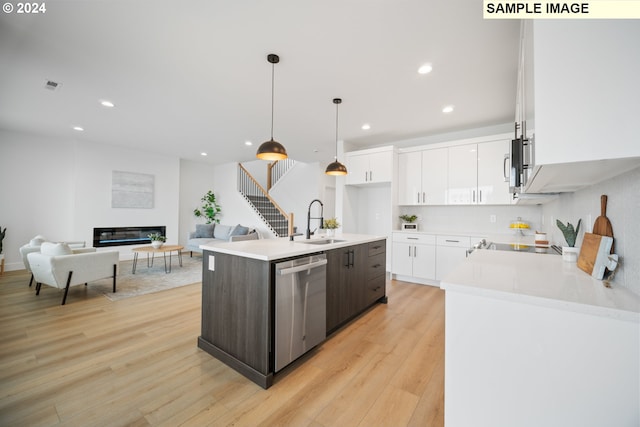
(282, 247)
(543, 280)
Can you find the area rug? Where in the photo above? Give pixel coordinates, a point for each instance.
(150, 280)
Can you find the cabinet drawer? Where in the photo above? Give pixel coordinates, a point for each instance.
(427, 239)
(378, 247)
(457, 241)
(375, 289)
(376, 266)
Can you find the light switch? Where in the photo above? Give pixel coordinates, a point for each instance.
(212, 263)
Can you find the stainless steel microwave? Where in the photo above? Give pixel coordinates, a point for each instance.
(521, 159)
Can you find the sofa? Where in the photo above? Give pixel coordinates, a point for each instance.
(206, 234)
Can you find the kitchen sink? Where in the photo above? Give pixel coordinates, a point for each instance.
(320, 241)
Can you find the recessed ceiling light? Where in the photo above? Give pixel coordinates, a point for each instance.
(107, 104)
(78, 128)
(447, 109)
(203, 154)
(425, 69)
(248, 143)
(366, 126)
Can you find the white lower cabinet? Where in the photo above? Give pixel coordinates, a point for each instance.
(414, 255)
(427, 258)
(450, 251)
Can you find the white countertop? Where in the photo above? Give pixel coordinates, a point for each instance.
(540, 279)
(274, 249)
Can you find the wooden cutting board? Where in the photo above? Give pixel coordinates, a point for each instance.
(592, 246)
(602, 226)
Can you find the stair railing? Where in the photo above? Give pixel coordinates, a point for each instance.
(276, 170)
(248, 187)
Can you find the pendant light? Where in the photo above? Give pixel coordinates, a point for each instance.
(336, 168)
(272, 150)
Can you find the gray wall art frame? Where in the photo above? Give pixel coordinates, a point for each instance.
(132, 190)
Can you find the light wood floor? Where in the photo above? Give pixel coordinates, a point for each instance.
(135, 362)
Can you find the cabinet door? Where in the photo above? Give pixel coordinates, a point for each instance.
(424, 261)
(493, 187)
(434, 176)
(337, 287)
(380, 167)
(358, 278)
(463, 175)
(410, 178)
(402, 259)
(447, 258)
(358, 168)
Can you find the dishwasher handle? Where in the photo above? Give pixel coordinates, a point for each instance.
(291, 270)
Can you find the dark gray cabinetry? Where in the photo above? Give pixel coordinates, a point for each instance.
(237, 315)
(238, 303)
(355, 280)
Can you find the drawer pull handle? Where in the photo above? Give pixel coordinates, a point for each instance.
(412, 238)
(376, 266)
(452, 241)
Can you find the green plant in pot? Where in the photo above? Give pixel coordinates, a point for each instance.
(330, 225)
(157, 239)
(408, 218)
(210, 208)
(569, 252)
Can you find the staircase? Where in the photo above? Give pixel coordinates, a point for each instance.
(273, 216)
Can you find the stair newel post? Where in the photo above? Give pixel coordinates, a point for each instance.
(290, 226)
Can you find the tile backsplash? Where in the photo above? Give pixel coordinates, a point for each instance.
(623, 193)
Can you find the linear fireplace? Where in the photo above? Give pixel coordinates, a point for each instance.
(120, 236)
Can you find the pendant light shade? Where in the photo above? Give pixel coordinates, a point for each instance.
(335, 167)
(272, 150)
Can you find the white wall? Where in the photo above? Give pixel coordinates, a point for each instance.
(196, 178)
(62, 189)
(623, 193)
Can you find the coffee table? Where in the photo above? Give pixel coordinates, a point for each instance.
(151, 252)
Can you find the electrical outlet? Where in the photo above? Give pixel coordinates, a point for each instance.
(492, 219)
(588, 223)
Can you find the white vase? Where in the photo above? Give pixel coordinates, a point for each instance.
(156, 244)
(570, 254)
(331, 232)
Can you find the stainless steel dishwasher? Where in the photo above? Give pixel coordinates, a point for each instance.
(300, 315)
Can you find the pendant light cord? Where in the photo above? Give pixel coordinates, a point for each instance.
(337, 131)
(273, 66)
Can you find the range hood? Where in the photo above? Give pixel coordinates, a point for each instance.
(569, 177)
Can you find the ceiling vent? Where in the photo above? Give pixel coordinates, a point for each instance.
(51, 85)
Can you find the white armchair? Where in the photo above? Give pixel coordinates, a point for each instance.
(56, 265)
(34, 246)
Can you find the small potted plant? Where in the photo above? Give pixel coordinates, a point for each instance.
(330, 225)
(569, 252)
(157, 240)
(408, 222)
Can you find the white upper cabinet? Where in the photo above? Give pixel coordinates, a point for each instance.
(463, 175)
(493, 169)
(369, 166)
(477, 174)
(422, 177)
(581, 88)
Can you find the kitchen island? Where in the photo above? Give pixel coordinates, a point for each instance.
(531, 340)
(238, 293)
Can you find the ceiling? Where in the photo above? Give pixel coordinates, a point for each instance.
(192, 76)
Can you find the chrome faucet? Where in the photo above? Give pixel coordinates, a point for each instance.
(308, 236)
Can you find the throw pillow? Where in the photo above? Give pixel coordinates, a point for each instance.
(222, 232)
(37, 241)
(55, 249)
(239, 230)
(204, 231)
